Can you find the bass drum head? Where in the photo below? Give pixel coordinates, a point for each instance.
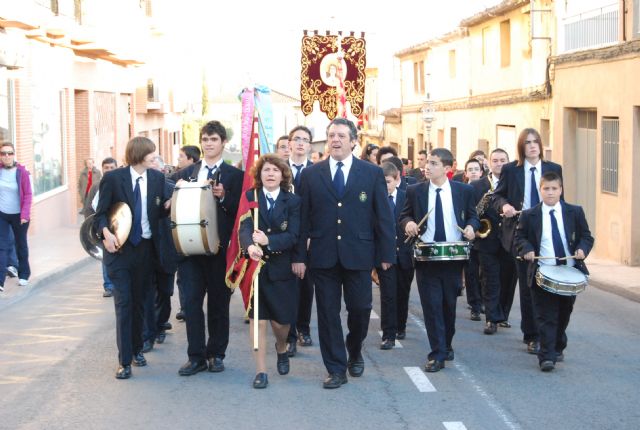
(209, 213)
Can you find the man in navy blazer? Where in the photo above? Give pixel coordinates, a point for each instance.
(453, 219)
(202, 275)
(300, 138)
(536, 235)
(346, 217)
(518, 190)
(130, 264)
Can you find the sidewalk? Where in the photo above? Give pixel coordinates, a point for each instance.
(57, 252)
(52, 254)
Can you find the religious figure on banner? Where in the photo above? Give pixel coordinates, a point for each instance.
(329, 70)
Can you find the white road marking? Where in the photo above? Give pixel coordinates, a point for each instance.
(454, 425)
(493, 404)
(398, 344)
(420, 380)
(374, 315)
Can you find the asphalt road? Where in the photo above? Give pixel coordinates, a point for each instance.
(58, 357)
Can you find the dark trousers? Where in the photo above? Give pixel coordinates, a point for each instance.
(438, 286)
(305, 304)
(508, 281)
(180, 292)
(472, 282)
(157, 305)
(131, 284)
(10, 223)
(405, 278)
(388, 302)
(202, 275)
(528, 324)
(329, 284)
(552, 313)
(491, 265)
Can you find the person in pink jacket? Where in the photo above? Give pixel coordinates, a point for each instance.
(15, 213)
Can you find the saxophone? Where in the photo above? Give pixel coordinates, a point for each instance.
(481, 207)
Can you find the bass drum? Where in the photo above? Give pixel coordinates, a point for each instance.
(194, 219)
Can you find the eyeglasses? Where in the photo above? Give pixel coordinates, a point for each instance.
(301, 139)
(5, 153)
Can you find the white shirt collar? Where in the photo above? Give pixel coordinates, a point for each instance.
(445, 187)
(216, 165)
(346, 162)
(557, 207)
(528, 166)
(135, 175)
(274, 194)
(394, 194)
(304, 162)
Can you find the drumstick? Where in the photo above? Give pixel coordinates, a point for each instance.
(422, 221)
(516, 213)
(539, 257)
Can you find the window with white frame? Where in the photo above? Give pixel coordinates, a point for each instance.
(6, 108)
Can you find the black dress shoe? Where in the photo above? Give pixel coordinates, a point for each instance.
(401, 335)
(180, 315)
(291, 349)
(450, 355)
(335, 380)
(161, 337)
(490, 327)
(283, 362)
(559, 357)
(547, 365)
(533, 347)
(387, 344)
(504, 324)
(261, 380)
(304, 339)
(147, 346)
(139, 360)
(216, 364)
(166, 326)
(475, 316)
(192, 367)
(123, 372)
(433, 366)
(355, 366)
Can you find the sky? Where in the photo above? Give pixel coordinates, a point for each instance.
(258, 42)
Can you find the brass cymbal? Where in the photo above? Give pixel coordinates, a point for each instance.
(120, 221)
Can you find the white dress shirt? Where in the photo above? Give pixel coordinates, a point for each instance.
(204, 170)
(146, 227)
(394, 195)
(273, 194)
(294, 171)
(448, 213)
(526, 204)
(546, 240)
(347, 162)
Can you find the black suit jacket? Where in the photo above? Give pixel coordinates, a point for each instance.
(116, 186)
(282, 228)
(491, 243)
(510, 190)
(417, 175)
(231, 179)
(309, 164)
(416, 206)
(350, 229)
(404, 250)
(576, 230)
(405, 181)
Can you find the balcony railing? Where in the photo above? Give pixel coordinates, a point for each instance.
(592, 29)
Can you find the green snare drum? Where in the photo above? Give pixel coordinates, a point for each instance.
(441, 251)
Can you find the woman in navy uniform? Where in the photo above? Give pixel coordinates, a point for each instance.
(273, 241)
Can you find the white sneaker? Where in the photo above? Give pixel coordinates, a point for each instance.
(23, 282)
(12, 272)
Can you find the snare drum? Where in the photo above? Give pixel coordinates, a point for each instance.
(194, 216)
(562, 280)
(441, 251)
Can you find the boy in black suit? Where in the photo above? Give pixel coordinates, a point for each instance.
(130, 264)
(557, 229)
(454, 217)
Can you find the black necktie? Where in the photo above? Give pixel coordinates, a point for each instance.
(535, 199)
(211, 171)
(296, 180)
(338, 180)
(440, 235)
(392, 204)
(271, 205)
(558, 247)
(136, 232)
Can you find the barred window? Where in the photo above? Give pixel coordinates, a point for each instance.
(610, 148)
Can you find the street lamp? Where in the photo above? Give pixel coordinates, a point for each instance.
(428, 113)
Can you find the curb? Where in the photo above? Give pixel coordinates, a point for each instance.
(615, 289)
(41, 281)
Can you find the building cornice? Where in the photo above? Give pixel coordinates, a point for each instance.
(458, 33)
(598, 55)
(493, 12)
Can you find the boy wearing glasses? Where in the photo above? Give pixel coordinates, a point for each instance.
(15, 213)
